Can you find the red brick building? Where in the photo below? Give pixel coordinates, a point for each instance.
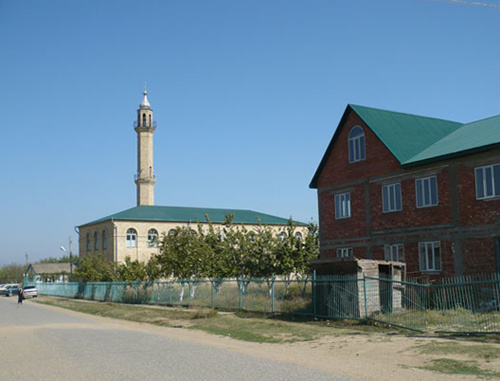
(414, 189)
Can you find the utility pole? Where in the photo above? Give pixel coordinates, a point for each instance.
(70, 260)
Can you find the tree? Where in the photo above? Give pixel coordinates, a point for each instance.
(309, 252)
(63, 259)
(94, 268)
(287, 252)
(132, 271)
(233, 251)
(12, 273)
(183, 256)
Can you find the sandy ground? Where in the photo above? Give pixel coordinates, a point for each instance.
(371, 358)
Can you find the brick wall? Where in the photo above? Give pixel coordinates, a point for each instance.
(465, 227)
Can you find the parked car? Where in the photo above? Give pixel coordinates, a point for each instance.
(10, 290)
(4, 286)
(30, 292)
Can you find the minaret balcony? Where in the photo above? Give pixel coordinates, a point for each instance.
(145, 125)
(144, 178)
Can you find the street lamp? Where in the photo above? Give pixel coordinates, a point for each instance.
(70, 259)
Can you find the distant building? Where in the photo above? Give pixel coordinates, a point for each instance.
(419, 190)
(48, 272)
(135, 232)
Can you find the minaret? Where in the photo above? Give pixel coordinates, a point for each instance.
(145, 177)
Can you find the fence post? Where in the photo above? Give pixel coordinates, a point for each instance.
(211, 294)
(364, 293)
(170, 287)
(314, 295)
(272, 294)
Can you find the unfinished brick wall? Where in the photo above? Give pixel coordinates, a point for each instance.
(455, 222)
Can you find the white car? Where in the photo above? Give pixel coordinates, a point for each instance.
(30, 292)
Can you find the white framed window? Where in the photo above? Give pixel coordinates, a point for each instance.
(391, 198)
(429, 254)
(395, 252)
(356, 145)
(152, 238)
(172, 232)
(488, 182)
(344, 252)
(104, 240)
(298, 235)
(426, 190)
(131, 239)
(342, 205)
(96, 241)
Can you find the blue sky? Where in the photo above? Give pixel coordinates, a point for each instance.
(246, 94)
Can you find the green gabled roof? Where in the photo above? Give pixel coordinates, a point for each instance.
(416, 140)
(186, 214)
(471, 137)
(405, 135)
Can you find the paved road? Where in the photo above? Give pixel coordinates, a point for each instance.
(40, 343)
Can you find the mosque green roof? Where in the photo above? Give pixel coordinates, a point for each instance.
(190, 214)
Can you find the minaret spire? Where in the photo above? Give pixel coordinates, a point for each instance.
(145, 178)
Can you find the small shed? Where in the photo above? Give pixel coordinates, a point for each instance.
(356, 288)
(48, 272)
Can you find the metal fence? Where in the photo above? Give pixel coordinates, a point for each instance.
(458, 305)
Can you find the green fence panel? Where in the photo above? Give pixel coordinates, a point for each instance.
(457, 305)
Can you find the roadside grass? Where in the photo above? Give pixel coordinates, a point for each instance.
(483, 351)
(251, 327)
(450, 366)
(468, 358)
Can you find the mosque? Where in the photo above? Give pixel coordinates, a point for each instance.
(135, 232)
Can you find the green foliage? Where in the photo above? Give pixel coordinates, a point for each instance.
(12, 273)
(94, 268)
(131, 271)
(219, 252)
(183, 254)
(63, 259)
(234, 251)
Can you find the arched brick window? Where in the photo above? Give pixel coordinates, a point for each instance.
(356, 145)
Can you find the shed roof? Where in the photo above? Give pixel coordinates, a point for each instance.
(50, 268)
(189, 214)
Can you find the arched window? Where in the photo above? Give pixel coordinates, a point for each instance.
(88, 241)
(172, 232)
(223, 234)
(96, 242)
(131, 240)
(150, 122)
(143, 120)
(153, 238)
(356, 145)
(282, 236)
(298, 235)
(104, 240)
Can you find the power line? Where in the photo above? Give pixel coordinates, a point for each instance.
(470, 3)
